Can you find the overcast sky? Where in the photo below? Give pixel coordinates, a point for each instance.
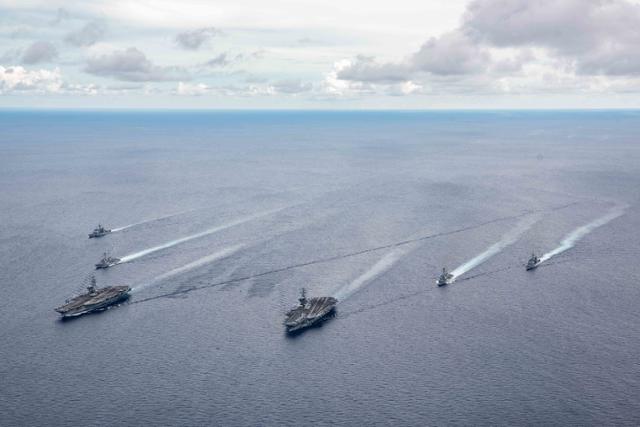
(320, 54)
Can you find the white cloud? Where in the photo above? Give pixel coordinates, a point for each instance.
(195, 89)
(600, 36)
(450, 54)
(496, 42)
(17, 78)
(409, 87)
(282, 87)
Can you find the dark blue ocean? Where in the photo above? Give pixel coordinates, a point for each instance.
(222, 217)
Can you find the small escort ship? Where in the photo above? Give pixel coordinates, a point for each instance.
(445, 278)
(99, 231)
(533, 262)
(107, 261)
(310, 312)
(96, 299)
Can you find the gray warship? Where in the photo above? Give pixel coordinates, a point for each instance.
(107, 261)
(533, 262)
(99, 231)
(96, 299)
(310, 312)
(445, 278)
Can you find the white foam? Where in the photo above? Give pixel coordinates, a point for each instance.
(115, 230)
(190, 266)
(508, 239)
(577, 234)
(384, 264)
(136, 255)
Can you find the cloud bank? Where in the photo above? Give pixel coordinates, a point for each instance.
(496, 40)
(132, 65)
(408, 53)
(15, 79)
(40, 51)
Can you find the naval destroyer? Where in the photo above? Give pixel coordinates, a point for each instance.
(310, 312)
(96, 299)
(533, 262)
(99, 231)
(107, 261)
(445, 278)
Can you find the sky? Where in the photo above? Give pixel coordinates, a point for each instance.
(329, 54)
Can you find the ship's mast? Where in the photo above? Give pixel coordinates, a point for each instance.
(303, 298)
(92, 287)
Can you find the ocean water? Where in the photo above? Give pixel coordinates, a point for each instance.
(222, 217)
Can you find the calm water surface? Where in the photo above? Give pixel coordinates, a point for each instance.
(225, 216)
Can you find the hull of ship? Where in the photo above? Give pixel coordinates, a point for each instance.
(532, 267)
(95, 307)
(95, 236)
(307, 323)
(445, 282)
(103, 266)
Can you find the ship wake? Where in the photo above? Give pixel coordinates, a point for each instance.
(384, 264)
(508, 239)
(134, 256)
(224, 253)
(115, 230)
(395, 247)
(577, 234)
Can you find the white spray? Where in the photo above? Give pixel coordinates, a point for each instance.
(508, 239)
(577, 234)
(195, 264)
(131, 257)
(384, 264)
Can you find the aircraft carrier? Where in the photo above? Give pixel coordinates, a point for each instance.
(96, 299)
(310, 312)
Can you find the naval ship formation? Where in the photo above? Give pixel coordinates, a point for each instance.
(309, 312)
(96, 299)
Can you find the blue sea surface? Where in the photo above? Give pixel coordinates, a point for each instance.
(222, 217)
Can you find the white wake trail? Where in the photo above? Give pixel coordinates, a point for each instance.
(134, 256)
(195, 264)
(115, 230)
(508, 239)
(384, 264)
(577, 234)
